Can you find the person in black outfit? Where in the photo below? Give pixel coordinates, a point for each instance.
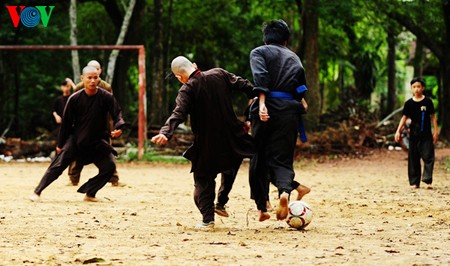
(220, 142)
(420, 110)
(60, 101)
(280, 82)
(84, 136)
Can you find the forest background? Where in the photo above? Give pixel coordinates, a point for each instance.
(359, 56)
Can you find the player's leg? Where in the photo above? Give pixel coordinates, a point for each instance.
(258, 172)
(258, 185)
(414, 169)
(280, 158)
(56, 168)
(302, 190)
(75, 173)
(115, 180)
(427, 152)
(106, 166)
(227, 181)
(204, 195)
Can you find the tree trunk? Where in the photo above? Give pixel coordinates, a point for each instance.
(73, 40)
(165, 111)
(445, 114)
(120, 40)
(445, 70)
(391, 94)
(157, 67)
(311, 60)
(418, 59)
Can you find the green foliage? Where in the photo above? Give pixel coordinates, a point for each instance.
(447, 163)
(150, 155)
(216, 33)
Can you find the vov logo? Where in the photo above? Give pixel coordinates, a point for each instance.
(30, 16)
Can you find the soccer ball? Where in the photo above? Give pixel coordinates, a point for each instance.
(300, 214)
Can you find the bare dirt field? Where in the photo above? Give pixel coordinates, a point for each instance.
(365, 213)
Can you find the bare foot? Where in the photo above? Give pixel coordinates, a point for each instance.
(118, 184)
(35, 197)
(90, 199)
(414, 186)
(282, 210)
(429, 186)
(263, 216)
(302, 191)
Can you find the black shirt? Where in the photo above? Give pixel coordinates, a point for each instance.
(85, 117)
(59, 104)
(276, 68)
(419, 113)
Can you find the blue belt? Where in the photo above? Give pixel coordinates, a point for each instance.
(281, 95)
(288, 96)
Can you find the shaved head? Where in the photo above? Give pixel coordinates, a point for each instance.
(94, 63)
(182, 68)
(181, 65)
(89, 69)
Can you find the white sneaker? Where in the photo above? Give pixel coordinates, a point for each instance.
(35, 197)
(205, 226)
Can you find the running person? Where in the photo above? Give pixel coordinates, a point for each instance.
(220, 142)
(280, 80)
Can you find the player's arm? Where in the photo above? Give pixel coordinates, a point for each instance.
(305, 104)
(78, 87)
(177, 117)
(58, 119)
(262, 79)
(116, 114)
(435, 127)
(71, 83)
(66, 126)
(263, 113)
(400, 128)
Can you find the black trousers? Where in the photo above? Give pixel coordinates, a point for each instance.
(420, 149)
(226, 184)
(75, 169)
(275, 142)
(103, 160)
(204, 195)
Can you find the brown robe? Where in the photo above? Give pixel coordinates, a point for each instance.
(219, 137)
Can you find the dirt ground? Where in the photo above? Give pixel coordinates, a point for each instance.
(365, 213)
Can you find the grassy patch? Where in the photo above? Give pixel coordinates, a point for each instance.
(150, 155)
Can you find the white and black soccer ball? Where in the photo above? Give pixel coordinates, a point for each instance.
(300, 214)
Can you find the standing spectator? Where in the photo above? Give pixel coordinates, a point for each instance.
(220, 142)
(84, 136)
(60, 102)
(280, 82)
(420, 110)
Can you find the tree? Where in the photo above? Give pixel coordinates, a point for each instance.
(120, 40)
(73, 40)
(311, 35)
(392, 70)
(158, 90)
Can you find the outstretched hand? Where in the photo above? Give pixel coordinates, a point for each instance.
(160, 139)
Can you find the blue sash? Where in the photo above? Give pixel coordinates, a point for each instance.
(287, 96)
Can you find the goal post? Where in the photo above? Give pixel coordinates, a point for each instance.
(142, 113)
